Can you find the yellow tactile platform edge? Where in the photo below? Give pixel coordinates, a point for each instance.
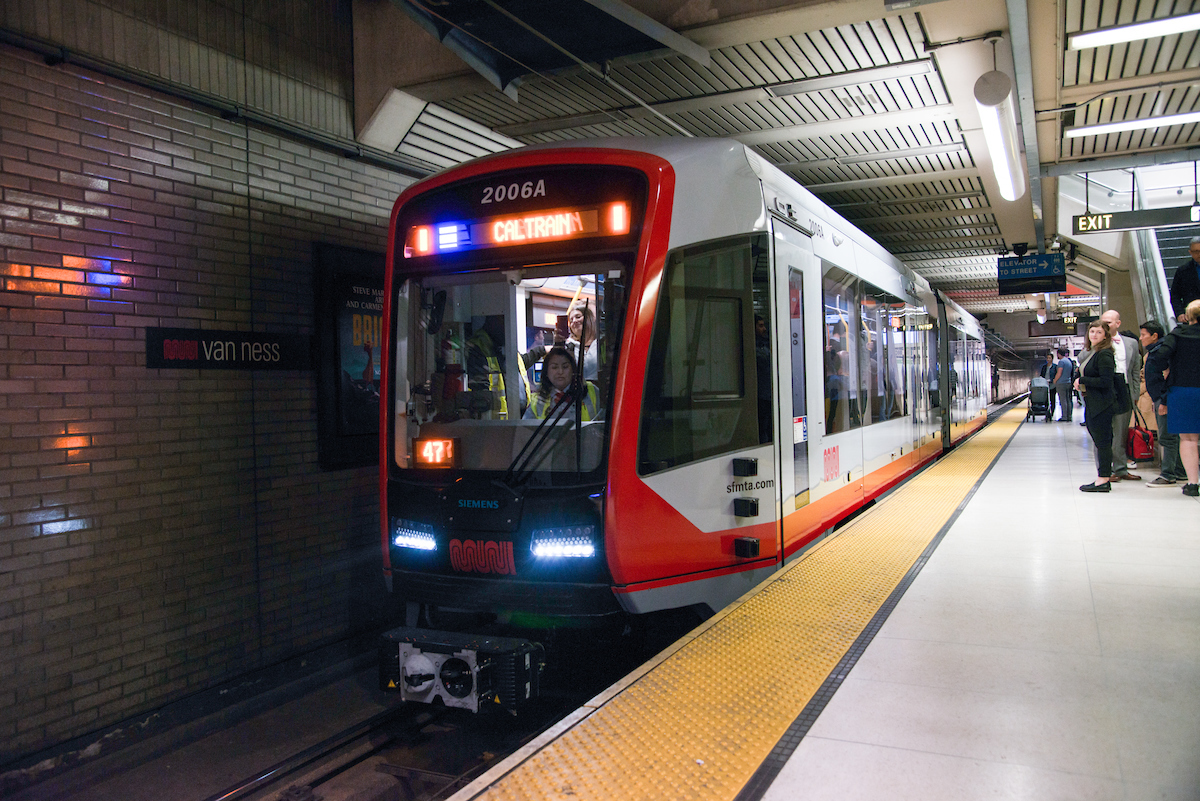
(700, 720)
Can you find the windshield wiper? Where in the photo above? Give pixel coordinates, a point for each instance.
(540, 435)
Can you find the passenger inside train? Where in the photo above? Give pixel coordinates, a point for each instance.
(557, 389)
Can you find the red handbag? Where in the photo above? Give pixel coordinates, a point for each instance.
(1139, 441)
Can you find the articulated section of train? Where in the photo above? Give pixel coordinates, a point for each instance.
(628, 376)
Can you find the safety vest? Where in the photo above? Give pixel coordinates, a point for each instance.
(495, 372)
(541, 404)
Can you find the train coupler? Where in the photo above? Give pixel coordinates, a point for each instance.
(463, 671)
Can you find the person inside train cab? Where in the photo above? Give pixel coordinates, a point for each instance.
(485, 363)
(1098, 382)
(581, 322)
(581, 328)
(557, 387)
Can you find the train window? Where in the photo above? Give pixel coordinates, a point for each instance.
(462, 383)
(882, 354)
(843, 349)
(701, 376)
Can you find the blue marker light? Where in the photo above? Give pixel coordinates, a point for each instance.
(450, 236)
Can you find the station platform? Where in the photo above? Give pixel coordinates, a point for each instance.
(985, 631)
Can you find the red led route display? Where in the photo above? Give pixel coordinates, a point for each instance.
(519, 229)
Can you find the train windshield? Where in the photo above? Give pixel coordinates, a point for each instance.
(508, 372)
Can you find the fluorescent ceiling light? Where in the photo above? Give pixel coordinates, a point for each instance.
(1132, 125)
(994, 100)
(1131, 33)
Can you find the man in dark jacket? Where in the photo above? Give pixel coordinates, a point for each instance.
(1171, 470)
(1185, 286)
(1179, 357)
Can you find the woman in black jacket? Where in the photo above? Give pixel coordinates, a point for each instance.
(1099, 401)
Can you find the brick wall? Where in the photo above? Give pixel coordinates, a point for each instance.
(162, 530)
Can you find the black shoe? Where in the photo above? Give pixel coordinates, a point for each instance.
(1093, 487)
(1191, 490)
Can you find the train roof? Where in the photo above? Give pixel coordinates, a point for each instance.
(738, 173)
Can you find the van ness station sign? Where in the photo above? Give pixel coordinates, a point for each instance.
(199, 349)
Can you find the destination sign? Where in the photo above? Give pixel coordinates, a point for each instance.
(517, 229)
(1039, 272)
(1134, 220)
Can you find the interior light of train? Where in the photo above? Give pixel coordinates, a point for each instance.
(435, 452)
(570, 541)
(411, 534)
(531, 227)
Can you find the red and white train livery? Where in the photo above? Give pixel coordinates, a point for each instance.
(749, 369)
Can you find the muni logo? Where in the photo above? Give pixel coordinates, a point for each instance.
(465, 503)
(482, 556)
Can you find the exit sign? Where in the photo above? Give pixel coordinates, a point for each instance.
(1133, 220)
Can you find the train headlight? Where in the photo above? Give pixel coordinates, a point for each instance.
(569, 541)
(411, 534)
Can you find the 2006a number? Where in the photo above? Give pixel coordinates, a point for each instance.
(514, 191)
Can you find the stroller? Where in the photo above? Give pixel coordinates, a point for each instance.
(1039, 399)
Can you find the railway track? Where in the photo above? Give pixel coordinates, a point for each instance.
(423, 753)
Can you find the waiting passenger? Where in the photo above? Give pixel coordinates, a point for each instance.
(1098, 380)
(1179, 357)
(558, 376)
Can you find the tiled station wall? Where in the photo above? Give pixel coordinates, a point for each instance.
(162, 531)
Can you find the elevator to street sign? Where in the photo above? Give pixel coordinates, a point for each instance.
(1037, 272)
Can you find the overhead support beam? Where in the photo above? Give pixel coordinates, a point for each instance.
(907, 201)
(849, 125)
(734, 97)
(870, 158)
(948, 214)
(895, 180)
(981, 262)
(1082, 93)
(1121, 162)
(1018, 31)
(986, 228)
(989, 241)
(655, 30)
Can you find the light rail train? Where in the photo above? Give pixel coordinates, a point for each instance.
(747, 370)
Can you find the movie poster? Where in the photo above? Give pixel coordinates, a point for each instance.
(359, 328)
(348, 306)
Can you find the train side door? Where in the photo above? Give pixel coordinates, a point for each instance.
(795, 264)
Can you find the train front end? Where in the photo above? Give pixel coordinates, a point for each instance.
(503, 278)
